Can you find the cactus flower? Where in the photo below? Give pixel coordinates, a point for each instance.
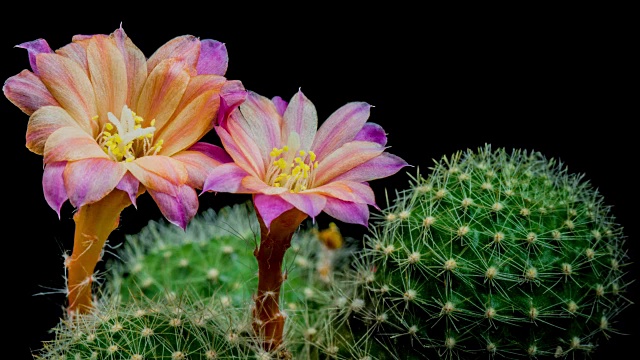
(295, 170)
(112, 124)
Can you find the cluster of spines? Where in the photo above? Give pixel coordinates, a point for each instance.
(195, 288)
(494, 253)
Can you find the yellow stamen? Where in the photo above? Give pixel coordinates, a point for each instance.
(124, 138)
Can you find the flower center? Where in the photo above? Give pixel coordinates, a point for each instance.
(291, 167)
(129, 139)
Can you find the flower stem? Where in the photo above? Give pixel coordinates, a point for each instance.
(94, 222)
(268, 321)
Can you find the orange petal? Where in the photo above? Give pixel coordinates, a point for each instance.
(108, 75)
(70, 86)
(159, 173)
(347, 157)
(136, 64)
(190, 124)
(76, 52)
(43, 123)
(71, 143)
(198, 85)
(185, 47)
(198, 165)
(162, 92)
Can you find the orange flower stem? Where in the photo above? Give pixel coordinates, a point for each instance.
(94, 222)
(268, 321)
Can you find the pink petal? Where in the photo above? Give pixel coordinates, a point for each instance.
(347, 157)
(281, 105)
(34, 48)
(372, 132)
(233, 94)
(309, 203)
(238, 154)
(270, 207)
(255, 185)
(53, 185)
(89, 180)
(200, 164)
(349, 212)
(213, 59)
(28, 92)
(159, 173)
(377, 168)
(185, 48)
(347, 191)
(259, 123)
(130, 185)
(213, 151)
(225, 178)
(178, 209)
(71, 143)
(300, 117)
(42, 123)
(340, 128)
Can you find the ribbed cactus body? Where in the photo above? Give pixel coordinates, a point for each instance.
(171, 294)
(495, 253)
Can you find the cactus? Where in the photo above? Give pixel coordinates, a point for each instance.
(171, 294)
(494, 254)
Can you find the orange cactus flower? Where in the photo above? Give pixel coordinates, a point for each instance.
(112, 124)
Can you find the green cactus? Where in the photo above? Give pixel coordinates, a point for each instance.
(494, 254)
(170, 294)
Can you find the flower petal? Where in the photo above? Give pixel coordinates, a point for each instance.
(131, 186)
(262, 123)
(379, 167)
(200, 163)
(270, 207)
(213, 59)
(233, 94)
(43, 123)
(159, 173)
(300, 117)
(309, 203)
(349, 212)
(179, 209)
(190, 124)
(71, 143)
(89, 180)
(70, 86)
(281, 105)
(213, 151)
(238, 154)
(372, 132)
(35, 47)
(162, 92)
(340, 128)
(344, 159)
(225, 178)
(347, 191)
(77, 52)
(27, 92)
(255, 185)
(136, 65)
(108, 75)
(53, 185)
(185, 48)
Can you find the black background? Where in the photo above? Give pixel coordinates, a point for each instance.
(441, 80)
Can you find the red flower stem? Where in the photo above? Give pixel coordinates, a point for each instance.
(94, 222)
(268, 321)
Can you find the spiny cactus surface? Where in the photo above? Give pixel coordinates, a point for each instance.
(495, 254)
(171, 294)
